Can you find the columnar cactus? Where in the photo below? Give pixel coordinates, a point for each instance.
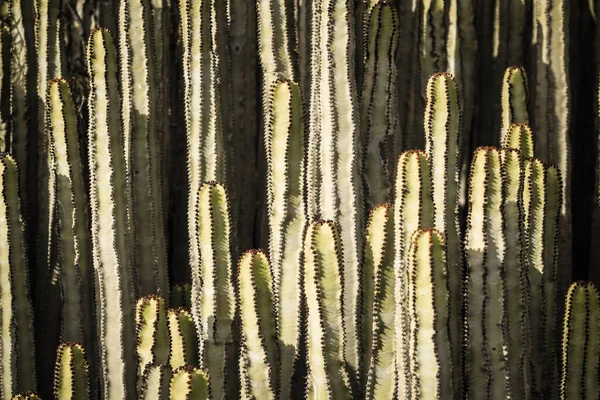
(485, 252)
(413, 209)
(184, 343)
(378, 299)
(213, 303)
(286, 190)
(581, 343)
(189, 383)
(155, 382)
(181, 296)
(71, 374)
(333, 174)
(378, 118)
(259, 349)
(142, 145)
(152, 333)
(5, 88)
(17, 346)
(520, 137)
(515, 99)
(109, 209)
(325, 327)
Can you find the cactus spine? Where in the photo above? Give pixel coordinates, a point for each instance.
(258, 356)
(27, 396)
(515, 97)
(413, 209)
(520, 137)
(17, 346)
(581, 343)
(71, 375)
(287, 217)
(378, 306)
(142, 145)
(378, 121)
(325, 329)
(213, 304)
(108, 199)
(333, 164)
(155, 383)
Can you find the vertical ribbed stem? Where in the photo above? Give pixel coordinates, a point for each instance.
(152, 334)
(190, 383)
(71, 375)
(17, 345)
(515, 98)
(5, 89)
(141, 127)
(184, 342)
(155, 383)
(110, 220)
(520, 137)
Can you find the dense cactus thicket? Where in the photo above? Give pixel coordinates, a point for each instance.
(299, 199)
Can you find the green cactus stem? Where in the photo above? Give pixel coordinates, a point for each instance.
(581, 343)
(155, 383)
(515, 98)
(520, 137)
(204, 132)
(259, 353)
(189, 383)
(485, 252)
(443, 130)
(378, 306)
(213, 303)
(333, 174)
(109, 228)
(516, 326)
(17, 345)
(27, 396)
(152, 333)
(378, 118)
(325, 329)
(71, 374)
(542, 201)
(142, 145)
(184, 343)
(430, 347)
(287, 217)
(413, 209)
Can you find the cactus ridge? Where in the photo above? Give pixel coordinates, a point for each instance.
(71, 380)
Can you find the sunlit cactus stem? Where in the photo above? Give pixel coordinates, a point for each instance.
(378, 299)
(143, 155)
(18, 371)
(152, 334)
(259, 354)
(286, 187)
(325, 329)
(213, 300)
(515, 98)
(581, 343)
(377, 116)
(109, 216)
(155, 383)
(184, 342)
(485, 252)
(27, 396)
(71, 374)
(189, 383)
(413, 209)
(520, 137)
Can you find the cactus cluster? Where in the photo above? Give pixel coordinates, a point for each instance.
(327, 199)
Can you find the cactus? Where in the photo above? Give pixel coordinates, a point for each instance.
(152, 333)
(378, 306)
(213, 304)
(155, 383)
(413, 209)
(109, 209)
(184, 343)
(181, 296)
(189, 383)
(520, 137)
(5, 89)
(325, 328)
(287, 217)
(581, 343)
(485, 251)
(27, 396)
(515, 99)
(333, 164)
(71, 375)
(17, 357)
(142, 145)
(259, 353)
(377, 118)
